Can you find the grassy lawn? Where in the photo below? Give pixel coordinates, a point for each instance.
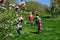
(51, 31)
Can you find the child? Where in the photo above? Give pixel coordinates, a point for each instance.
(19, 25)
(36, 18)
(39, 25)
(19, 28)
(31, 17)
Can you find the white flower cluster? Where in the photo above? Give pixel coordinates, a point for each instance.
(22, 3)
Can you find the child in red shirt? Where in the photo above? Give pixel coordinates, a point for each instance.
(31, 17)
(39, 25)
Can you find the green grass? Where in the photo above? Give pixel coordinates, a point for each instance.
(50, 31)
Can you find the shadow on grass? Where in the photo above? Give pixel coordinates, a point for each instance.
(27, 22)
(35, 32)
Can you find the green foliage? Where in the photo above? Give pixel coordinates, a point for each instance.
(9, 2)
(34, 6)
(49, 32)
(51, 27)
(54, 9)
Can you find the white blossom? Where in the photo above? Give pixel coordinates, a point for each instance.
(3, 8)
(8, 21)
(10, 7)
(6, 27)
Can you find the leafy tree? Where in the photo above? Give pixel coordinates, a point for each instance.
(8, 2)
(34, 6)
(54, 7)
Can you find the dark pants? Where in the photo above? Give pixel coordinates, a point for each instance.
(19, 31)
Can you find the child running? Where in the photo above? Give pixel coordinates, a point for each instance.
(39, 25)
(19, 25)
(19, 28)
(30, 18)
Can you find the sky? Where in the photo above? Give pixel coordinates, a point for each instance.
(43, 2)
